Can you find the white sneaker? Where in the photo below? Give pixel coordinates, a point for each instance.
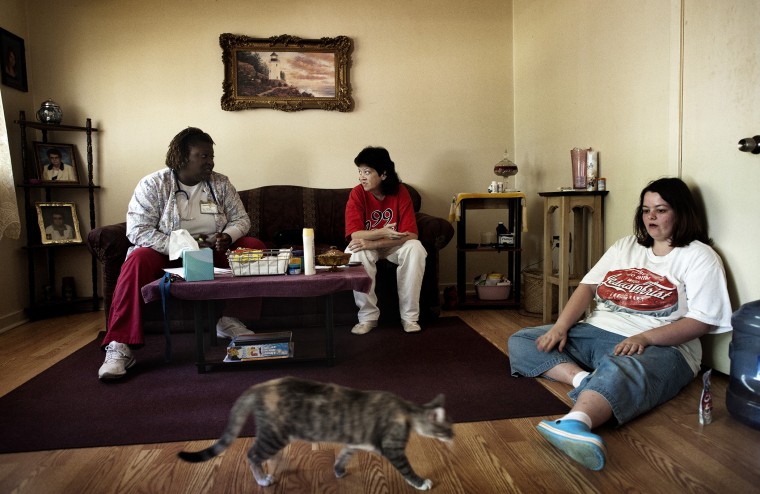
(119, 358)
(230, 327)
(364, 327)
(411, 326)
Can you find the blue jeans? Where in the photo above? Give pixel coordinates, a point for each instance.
(631, 384)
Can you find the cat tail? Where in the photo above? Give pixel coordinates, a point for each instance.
(238, 416)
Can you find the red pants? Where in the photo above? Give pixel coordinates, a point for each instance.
(143, 266)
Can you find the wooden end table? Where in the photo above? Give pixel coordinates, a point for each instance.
(587, 234)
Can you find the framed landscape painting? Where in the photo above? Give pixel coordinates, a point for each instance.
(286, 73)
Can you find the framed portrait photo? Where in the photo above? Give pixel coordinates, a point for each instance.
(56, 163)
(286, 73)
(58, 222)
(14, 61)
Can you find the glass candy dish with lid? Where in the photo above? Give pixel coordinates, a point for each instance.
(333, 257)
(508, 169)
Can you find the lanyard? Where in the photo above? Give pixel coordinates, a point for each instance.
(163, 287)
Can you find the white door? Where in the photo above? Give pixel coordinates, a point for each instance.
(721, 105)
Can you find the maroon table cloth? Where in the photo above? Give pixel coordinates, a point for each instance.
(227, 286)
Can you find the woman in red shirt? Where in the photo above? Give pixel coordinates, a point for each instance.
(380, 224)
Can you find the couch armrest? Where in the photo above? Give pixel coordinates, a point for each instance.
(434, 231)
(109, 243)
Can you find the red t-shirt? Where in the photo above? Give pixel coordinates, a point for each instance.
(365, 212)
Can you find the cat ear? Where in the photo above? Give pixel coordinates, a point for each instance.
(436, 412)
(437, 402)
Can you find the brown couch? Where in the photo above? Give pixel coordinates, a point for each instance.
(278, 214)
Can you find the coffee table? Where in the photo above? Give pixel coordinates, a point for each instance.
(227, 287)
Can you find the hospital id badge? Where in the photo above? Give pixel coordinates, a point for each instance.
(208, 208)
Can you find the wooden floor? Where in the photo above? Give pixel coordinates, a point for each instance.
(665, 451)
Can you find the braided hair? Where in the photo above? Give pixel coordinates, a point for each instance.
(179, 148)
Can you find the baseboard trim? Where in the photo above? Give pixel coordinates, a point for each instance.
(12, 320)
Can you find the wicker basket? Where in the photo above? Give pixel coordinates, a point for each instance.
(256, 263)
(533, 299)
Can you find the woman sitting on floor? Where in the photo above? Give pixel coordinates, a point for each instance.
(655, 293)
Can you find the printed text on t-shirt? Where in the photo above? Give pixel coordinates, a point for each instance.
(377, 217)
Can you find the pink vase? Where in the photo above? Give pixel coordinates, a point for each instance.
(578, 161)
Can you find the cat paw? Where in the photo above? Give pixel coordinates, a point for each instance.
(425, 485)
(340, 473)
(265, 481)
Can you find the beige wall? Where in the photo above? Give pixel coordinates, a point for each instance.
(143, 70)
(434, 85)
(592, 74)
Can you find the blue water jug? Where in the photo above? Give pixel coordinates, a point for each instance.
(743, 396)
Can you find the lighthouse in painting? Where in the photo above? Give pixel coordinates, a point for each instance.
(274, 67)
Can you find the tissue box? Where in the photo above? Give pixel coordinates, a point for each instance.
(260, 346)
(198, 265)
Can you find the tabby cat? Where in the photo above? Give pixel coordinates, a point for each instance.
(290, 409)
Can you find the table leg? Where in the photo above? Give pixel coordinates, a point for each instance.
(198, 322)
(549, 208)
(329, 326)
(461, 254)
(564, 253)
(211, 321)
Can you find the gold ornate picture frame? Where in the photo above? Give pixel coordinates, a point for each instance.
(58, 222)
(286, 73)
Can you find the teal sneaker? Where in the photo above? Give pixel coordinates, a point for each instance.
(575, 439)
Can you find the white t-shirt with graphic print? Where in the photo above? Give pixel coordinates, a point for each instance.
(638, 291)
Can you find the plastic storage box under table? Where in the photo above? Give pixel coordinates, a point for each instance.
(493, 292)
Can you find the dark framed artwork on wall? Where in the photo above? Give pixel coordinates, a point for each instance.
(286, 73)
(14, 61)
(58, 222)
(56, 163)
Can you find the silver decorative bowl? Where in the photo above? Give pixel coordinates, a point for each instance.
(50, 113)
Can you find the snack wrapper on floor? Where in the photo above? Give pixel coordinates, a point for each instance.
(705, 400)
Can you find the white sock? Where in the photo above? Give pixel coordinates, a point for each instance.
(579, 416)
(579, 377)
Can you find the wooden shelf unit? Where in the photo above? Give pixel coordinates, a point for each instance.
(40, 307)
(512, 203)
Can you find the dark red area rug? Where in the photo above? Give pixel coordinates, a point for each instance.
(68, 407)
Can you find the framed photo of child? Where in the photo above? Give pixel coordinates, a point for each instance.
(58, 222)
(56, 163)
